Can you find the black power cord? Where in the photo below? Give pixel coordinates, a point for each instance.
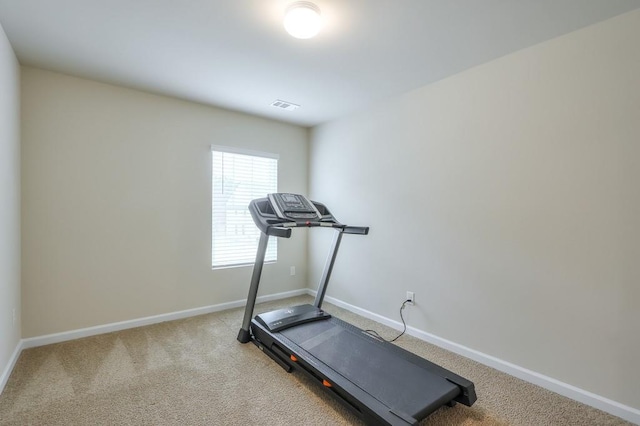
(404, 324)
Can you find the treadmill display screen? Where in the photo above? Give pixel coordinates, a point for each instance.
(293, 206)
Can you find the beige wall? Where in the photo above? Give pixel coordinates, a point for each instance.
(506, 197)
(9, 203)
(117, 203)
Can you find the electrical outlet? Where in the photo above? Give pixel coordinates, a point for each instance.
(411, 297)
(292, 271)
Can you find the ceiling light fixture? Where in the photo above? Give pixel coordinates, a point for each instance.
(302, 19)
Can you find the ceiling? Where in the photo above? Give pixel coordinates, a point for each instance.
(235, 54)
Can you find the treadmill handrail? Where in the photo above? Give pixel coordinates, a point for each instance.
(284, 230)
(279, 231)
(359, 230)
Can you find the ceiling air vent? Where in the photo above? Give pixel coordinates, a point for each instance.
(284, 105)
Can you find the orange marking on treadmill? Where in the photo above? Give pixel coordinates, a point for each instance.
(327, 384)
(293, 358)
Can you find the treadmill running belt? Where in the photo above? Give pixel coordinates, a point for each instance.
(396, 382)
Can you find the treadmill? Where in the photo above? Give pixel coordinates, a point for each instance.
(379, 382)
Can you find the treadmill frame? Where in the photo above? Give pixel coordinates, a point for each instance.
(290, 356)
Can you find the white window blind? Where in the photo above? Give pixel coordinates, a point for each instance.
(239, 176)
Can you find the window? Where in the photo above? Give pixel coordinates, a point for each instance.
(238, 177)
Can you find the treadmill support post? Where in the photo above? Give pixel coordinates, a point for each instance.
(244, 335)
(331, 259)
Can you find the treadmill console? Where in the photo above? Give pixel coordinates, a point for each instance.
(293, 206)
(277, 213)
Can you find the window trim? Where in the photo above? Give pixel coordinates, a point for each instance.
(243, 151)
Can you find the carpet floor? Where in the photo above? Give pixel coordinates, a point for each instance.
(194, 372)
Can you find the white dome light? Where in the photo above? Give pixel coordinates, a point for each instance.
(302, 19)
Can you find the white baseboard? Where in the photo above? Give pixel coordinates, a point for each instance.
(48, 339)
(617, 409)
(9, 368)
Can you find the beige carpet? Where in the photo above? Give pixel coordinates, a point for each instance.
(194, 372)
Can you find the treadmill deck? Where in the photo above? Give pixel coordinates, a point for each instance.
(409, 386)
